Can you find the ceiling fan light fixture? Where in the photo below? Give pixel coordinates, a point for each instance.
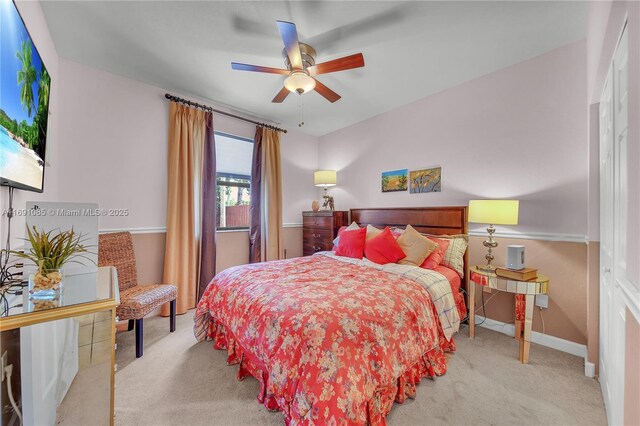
(299, 82)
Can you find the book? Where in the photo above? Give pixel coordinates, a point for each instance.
(525, 274)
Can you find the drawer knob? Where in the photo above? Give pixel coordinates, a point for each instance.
(316, 235)
(317, 248)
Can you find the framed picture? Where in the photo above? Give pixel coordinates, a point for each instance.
(394, 180)
(425, 180)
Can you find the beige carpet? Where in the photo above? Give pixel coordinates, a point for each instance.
(181, 382)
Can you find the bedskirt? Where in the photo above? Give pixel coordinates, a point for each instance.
(432, 363)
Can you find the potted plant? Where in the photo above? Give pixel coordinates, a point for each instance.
(50, 251)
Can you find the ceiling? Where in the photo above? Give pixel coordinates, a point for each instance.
(411, 49)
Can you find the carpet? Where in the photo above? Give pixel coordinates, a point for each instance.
(179, 381)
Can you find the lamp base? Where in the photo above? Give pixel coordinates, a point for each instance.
(490, 244)
(487, 268)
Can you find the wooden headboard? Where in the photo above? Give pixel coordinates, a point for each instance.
(430, 220)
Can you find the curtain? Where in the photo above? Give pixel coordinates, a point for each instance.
(255, 222)
(272, 196)
(187, 130)
(209, 193)
(265, 236)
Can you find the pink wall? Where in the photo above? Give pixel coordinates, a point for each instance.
(114, 148)
(520, 132)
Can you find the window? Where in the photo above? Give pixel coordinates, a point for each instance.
(233, 164)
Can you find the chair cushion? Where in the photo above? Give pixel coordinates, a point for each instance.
(138, 301)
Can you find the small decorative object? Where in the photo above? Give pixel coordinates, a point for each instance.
(426, 180)
(45, 283)
(395, 180)
(515, 257)
(328, 203)
(315, 205)
(493, 212)
(49, 252)
(325, 179)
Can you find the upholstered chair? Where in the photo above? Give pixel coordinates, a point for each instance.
(136, 301)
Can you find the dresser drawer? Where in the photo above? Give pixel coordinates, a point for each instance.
(318, 234)
(309, 247)
(325, 222)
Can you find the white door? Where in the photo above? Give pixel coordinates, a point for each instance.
(613, 232)
(606, 232)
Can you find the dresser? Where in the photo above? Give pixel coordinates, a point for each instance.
(320, 228)
(63, 351)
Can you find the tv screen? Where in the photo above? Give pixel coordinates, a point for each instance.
(24, 104)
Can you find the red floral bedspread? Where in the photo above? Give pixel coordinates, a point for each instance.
(330, 342)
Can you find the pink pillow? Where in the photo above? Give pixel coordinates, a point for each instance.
(352, 243)
(383, 248)
(436, 257)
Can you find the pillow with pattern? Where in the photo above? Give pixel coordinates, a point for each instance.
(454, 255)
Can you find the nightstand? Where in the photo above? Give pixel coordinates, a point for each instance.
(524, 291)
(320, 228)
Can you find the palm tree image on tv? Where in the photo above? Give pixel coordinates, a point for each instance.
(24, 105)
(31, 135)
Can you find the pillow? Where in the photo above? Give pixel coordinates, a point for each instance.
(372, 231)
(354, 226)
(454, 255)
(352, 243)
(416, 247)
(437, 256)
(383, 248)
(396, 232)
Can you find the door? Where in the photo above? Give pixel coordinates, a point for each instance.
(606, 232)
(613, 232)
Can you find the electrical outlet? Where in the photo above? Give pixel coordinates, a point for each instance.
(4, 364)
(542, 301)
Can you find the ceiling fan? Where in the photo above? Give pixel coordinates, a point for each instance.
(300, 60)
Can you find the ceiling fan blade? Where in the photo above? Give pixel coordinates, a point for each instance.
(289, 36)
(281, 96)
(341, 64)
(327, 93)
(258, 68)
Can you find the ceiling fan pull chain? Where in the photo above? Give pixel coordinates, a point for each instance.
(300, 111)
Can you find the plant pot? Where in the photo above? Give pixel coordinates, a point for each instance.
(46, 284)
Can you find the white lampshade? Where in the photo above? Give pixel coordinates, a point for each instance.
(299, 82)
(325, 178)
(494, 212)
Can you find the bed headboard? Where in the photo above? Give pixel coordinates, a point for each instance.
(430, 220)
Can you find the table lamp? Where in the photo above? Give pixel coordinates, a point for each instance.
(325, 179)
(493, 212)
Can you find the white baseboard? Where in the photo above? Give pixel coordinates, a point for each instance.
(547, 340)
(589, 369)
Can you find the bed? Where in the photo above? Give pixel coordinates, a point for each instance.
(335, 340)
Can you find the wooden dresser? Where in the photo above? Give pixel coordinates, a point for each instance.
(320, 228)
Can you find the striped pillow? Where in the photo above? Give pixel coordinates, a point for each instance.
(454, 256)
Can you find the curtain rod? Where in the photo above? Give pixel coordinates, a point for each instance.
(208, 108)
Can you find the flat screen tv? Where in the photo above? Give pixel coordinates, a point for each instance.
(24, 104)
